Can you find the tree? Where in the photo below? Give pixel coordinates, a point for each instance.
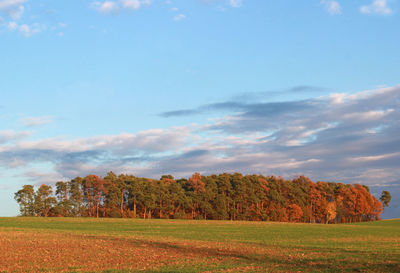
(330, 212)
(295, 213)
(385, 198)
(64, 205)
(26, 200)
(44, 201)
(135, 193)
(76, 196)
(116, 194)
(197, 187)
(94, 192)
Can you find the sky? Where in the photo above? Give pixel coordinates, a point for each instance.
(152, 87)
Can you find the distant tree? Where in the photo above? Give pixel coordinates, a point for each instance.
(385, 198)
(295, 213)
(95, 193)
(76, 196)
(135, 193)
(64, 205)
(167, 176)
(44, 201)
(330, 212)
(196, 187)
(116, 194)
(26, 200)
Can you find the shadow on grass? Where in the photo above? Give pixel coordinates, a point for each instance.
(276, 259)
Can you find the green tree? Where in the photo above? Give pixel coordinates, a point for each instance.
(76, 196)
(135, 188)
(385, 198)
(26, 200)
(64, 206)
(44, 201)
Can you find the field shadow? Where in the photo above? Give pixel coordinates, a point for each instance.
(277, 258)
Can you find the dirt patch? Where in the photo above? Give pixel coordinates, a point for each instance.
(29, 251)
(26, 251)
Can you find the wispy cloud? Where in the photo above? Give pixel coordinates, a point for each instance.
(113, 7)
(106, 6)
(377, 7)
(332, 7)
(239, 104)
(12, 136)
(13, 8)
(131, 4)
(25, 29)
(179, 17)
(35, 121)
(235, 3)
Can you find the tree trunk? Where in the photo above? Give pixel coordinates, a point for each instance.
(122, 204)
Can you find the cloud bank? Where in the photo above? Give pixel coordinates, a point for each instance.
(338, 137)
(349, 138)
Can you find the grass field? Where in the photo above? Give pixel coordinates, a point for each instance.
(126, 245)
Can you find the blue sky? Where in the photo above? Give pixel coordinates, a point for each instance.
(154, 87)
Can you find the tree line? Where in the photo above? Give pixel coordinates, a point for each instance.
(220, 197)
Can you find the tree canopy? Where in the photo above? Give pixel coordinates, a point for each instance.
(222, 197)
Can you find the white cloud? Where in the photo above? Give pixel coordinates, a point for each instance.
(374, 157)
(106, 6)
(131, 4)
(179, 17)
(235, 3)
(332, 7)
(377, 7)
(25, 29)
(13, 8)
(109, 7)
(338, 98)
(6, 4)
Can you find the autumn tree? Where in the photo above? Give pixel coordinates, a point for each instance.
(330, 212)
(94, 193)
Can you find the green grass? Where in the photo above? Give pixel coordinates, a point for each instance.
(360, 247)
